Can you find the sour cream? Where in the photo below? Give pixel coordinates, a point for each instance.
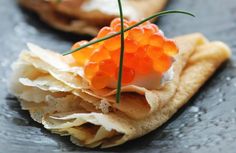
(110, 7)
(149, 81)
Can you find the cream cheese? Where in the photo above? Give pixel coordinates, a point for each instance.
(150, 81)
(110, 7)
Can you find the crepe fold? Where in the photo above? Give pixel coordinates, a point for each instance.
(88, 16)
(58, 96)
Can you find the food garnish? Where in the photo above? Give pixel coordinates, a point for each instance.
(141, 45)
(151, 52)
(58, 95)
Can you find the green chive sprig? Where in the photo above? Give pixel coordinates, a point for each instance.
(129, 28)
(122, 48)
(122, 31)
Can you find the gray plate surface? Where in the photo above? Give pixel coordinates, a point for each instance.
(206, 124)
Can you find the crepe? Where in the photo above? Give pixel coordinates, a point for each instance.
(88, 16)
(58, 96)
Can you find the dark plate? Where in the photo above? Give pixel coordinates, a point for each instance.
(206, 124)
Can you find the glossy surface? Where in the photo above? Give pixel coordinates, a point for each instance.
(151, 53)
(206, 124)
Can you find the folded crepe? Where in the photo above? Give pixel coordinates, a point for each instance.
(88, 16)
(58, 97)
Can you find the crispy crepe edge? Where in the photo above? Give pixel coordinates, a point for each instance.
(206, 59)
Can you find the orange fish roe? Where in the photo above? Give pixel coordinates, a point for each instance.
(127, 61)
(104, 32)
(154, 27)
(170, 47)
(146, 51)
(108, 67)
(154, 52)
(81, 56)
(136, 34)
(117, 21)
(90, 69)
(99, 54)
(117, 27)
(156, 40)
(133, 22)
(112, 43)
(131, 46)
(127, 75)
(100, 80)
(143, 63)
(162, 63)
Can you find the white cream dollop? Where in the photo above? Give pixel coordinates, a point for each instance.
(151, 81)
(110, 7)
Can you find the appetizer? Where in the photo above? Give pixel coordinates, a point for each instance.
(88, 16)
(74, 95)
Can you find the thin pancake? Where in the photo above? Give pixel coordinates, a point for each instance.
(88, 16)
(136, 102)
(89, 128)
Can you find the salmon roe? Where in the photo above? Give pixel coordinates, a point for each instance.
(146, 51)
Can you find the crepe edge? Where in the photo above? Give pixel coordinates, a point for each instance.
(78, 26)
(141, 130)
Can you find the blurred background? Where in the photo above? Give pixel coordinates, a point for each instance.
(206, 124)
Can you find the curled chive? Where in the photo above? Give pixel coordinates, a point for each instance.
(119, 83)
(122, 48)
(129, 28)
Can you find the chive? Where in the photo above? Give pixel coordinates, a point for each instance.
(119, 82)
(122, 48)
(129, 28)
